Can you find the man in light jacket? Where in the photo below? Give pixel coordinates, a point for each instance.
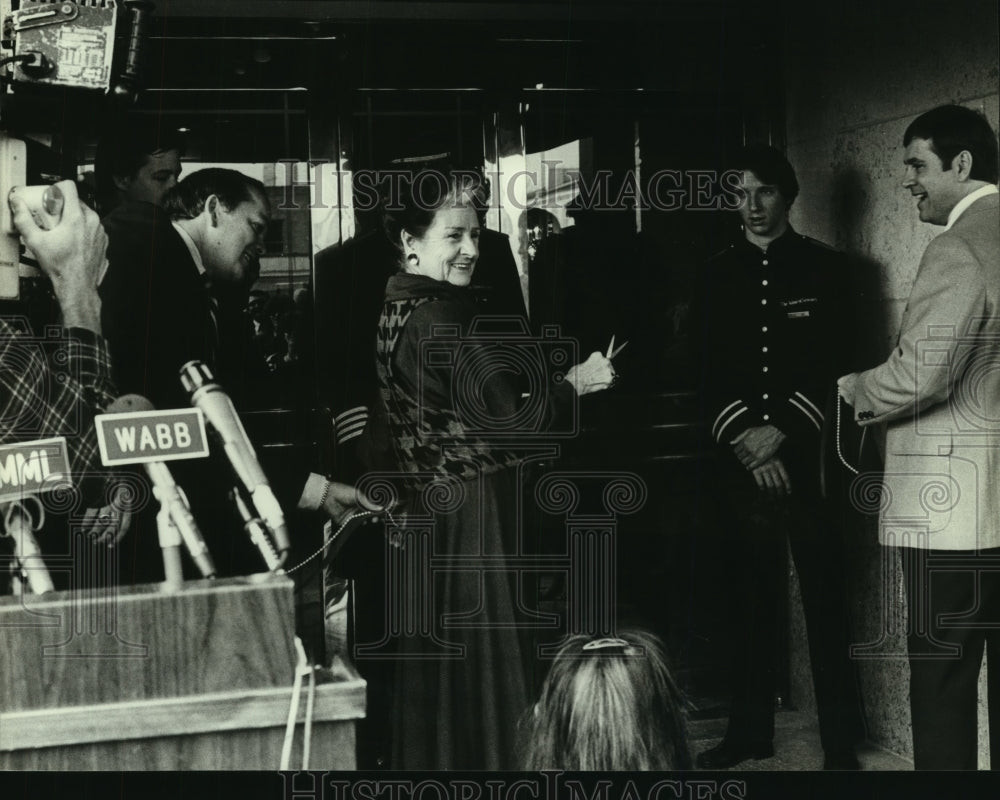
(938, 394)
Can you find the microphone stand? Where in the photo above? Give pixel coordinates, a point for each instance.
(170, 544)
(174, 501)
(18, 526)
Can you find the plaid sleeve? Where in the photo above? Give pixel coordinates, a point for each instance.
(54, 387)
(91, 393)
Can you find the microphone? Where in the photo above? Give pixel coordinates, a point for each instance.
(170, 495)
(27, 553)
(218, 409)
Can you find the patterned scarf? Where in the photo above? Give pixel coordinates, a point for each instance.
(427, 439)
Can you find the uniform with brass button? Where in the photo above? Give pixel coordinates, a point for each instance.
(773, 339)
(772, 361)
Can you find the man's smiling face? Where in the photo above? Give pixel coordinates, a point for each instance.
(236, 238)
(937, 189)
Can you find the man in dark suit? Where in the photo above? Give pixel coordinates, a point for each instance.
(158, 311)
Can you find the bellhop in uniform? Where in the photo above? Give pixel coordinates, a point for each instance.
(771, 358)
(774, 331)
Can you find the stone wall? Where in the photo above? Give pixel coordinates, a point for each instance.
(855, 74)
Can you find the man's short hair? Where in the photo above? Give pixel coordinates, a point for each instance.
(770, 165)
(187, 199)
(124, 148)
(952, 129)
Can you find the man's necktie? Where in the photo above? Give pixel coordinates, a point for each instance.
(212, 338)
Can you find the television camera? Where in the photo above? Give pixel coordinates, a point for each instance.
(58, 59)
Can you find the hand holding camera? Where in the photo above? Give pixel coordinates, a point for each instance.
(69, 243)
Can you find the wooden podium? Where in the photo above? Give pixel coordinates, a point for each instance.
(141, 678)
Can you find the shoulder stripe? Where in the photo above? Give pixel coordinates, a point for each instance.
(809, 414)
(345, 416)
(349, 424)
(347, 434)
(718, 436)
(723, 413)
(809, 403)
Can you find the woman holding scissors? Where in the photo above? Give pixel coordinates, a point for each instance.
(456, 410)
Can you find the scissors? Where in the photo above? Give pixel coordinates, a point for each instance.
(612, 352)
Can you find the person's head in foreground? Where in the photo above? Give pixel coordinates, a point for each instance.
(607, 704)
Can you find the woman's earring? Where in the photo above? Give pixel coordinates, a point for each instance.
(413, 260)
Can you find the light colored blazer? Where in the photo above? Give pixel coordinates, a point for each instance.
(939, 395)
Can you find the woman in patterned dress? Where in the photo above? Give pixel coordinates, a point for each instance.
(455, 414)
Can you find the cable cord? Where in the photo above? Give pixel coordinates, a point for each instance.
(302, 668)
(22, 58)
(840, 454)
(333, 536)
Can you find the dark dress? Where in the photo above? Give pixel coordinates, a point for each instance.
(461, 681)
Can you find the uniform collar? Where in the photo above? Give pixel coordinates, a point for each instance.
(778, 244)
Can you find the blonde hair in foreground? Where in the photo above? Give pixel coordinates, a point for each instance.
(607, 704)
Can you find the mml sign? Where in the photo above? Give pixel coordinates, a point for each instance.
(41, 465)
